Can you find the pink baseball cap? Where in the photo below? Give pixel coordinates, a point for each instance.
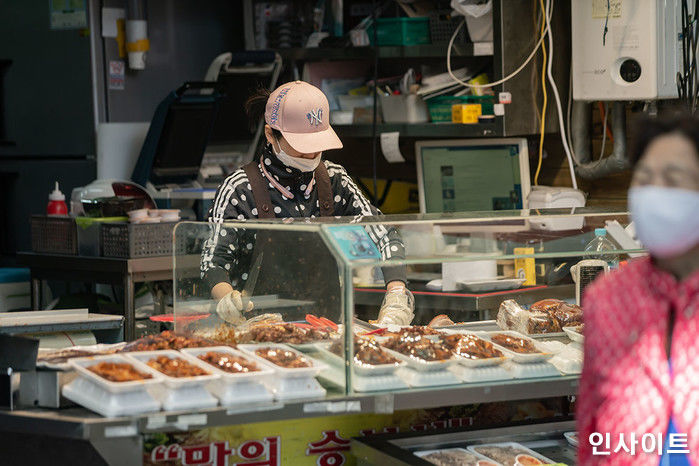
(301, 112)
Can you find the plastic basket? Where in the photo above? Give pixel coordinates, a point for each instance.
(129, 240)
(443, 25)
(440, 107)
(401, 31)
(89, 228)
(54, 234)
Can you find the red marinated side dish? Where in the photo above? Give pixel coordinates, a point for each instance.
(518, 345)
(118, 372)
(283, 358)
(175, 367)
(228, 362)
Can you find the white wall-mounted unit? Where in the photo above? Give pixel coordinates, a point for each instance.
(640, 56)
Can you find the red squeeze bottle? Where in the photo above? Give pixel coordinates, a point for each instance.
(57, 203)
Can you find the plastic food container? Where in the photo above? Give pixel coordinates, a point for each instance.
(542, 355)
(521, 450)
(421, 365)
(179, 393)
(573, 334)
(361, 370)
(111, 399)
(572, 438)
(289, 383)
(235, 388)
(467, 458)
(473, 363)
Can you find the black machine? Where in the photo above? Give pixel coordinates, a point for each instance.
(206, 117)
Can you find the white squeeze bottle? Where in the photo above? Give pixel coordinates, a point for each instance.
(602, 246)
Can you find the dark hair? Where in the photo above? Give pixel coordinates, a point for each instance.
(255, 108)
(647, 129)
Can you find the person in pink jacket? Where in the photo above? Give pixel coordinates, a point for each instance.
(638, 402)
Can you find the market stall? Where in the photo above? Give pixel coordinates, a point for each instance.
(303, 354)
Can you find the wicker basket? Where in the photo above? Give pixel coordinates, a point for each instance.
(54, 234)
(129, 240)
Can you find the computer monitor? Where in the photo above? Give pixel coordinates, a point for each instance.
(461, 175)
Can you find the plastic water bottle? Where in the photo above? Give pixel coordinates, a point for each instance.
(600, 245)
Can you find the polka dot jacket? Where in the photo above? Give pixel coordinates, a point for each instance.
(227, 254)
(626, 386)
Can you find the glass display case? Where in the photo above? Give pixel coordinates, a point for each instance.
(539, 443)
(310, 293)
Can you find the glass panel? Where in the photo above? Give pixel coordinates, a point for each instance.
(288, 274)
(320, 277)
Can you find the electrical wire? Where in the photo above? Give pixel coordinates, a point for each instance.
(496, 83)
(571, 157)
(569, 137)
(606, 23)
(604, 130)
(537, 21)
(542, 118)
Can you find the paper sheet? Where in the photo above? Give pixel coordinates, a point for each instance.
(389, 147)
(109, 20)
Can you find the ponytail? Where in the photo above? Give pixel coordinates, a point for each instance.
(255, 106)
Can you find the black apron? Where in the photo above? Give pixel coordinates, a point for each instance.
(295, 265)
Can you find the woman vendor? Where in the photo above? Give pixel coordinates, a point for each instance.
(290, 179)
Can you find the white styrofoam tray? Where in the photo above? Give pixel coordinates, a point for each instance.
(290, 383)
(96, 397)
(573, 334)
(359, 369)
(477, 362)
(236, 388)
(542, 355)
(284, 372)
(179, 393)
(141, 358)
(335, 375)
(569, 360)
(193, 354)
(81, 365)
(532, 370)
(421, 365)
(572, 438)
(435, 378)
(516, 445)
(482, 374)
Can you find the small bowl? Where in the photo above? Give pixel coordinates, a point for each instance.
(138, 214)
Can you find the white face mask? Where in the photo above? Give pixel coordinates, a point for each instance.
(305, 165)
(666, 219)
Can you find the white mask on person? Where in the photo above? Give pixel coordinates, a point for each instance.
(666, 219)
(299, 163)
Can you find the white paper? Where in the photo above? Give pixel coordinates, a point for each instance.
(482, 48)
(109, 20)
(389, 147)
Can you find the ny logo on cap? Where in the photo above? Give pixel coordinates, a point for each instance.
(315, 117)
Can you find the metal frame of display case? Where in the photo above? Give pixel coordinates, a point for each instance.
(392, 449)
(119, 440)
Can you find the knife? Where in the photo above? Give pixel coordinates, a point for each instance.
(249, 287)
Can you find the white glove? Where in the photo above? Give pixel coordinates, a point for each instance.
(230, 308)
(397, 308)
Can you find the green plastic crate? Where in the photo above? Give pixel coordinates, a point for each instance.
(401, 31)
(440, 107)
